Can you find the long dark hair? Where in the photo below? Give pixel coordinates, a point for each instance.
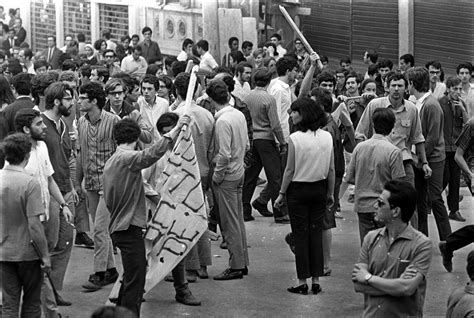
(313, 115)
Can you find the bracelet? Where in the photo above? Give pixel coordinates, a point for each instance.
(282, 193)
(424, 163)
(62, 205)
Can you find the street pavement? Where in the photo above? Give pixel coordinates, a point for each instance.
(272, 269)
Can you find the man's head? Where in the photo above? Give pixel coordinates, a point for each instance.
(396, 84)
(58, 96)
(202, 47)
(132, 85)
(233, 43)
(126, 131)
(18, 23)
(418, 79)
(327, 81)
(150, 86)
(107, 34)
(217, 91)
(181, 83)
(247, 48)
(81, 38)
(406, 61)
(187, 46)
(25, 55)
(383, 120)
(125, 40)
(396, 202)
(227, 79)
(384, 67)
(370, 57)
(454, 87)
(69, 78)
(323, 98)
(464, 71)
(109, 56)
(352, 83)
(39, 83)
(91, 97)
(40, 66)
(288, 67)
(16, 148)
(115, 90)
(135, 39)
(11, 33)
(244, 71)
(137, 51)
(68, 39)
(22, 84)
(166, 122)
(346, 63)
(276, 39)
(99, 74)
(435, 70)
(51, 41)
(262, 77)
(29, 121)
(146, 31)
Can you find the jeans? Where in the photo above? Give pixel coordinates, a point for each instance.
(452, 178)
(264, 154)
(103, 250)
(306, 207)
(132, 247)
(429, 191)
(18, 277)
(229, 197)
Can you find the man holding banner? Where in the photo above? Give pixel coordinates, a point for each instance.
(125, 198)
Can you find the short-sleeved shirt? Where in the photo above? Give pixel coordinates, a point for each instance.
(373, 163)
(389, 260)
(97, 146)
(20, 199)
(208, 62)
(40, 167)
(466, 143)
(407, 130)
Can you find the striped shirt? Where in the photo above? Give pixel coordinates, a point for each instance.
(96, 147)
(264, 114)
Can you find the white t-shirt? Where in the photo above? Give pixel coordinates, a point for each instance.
(208, 62)
(39, 166)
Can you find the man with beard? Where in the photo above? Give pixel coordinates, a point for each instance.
(30, 122)
(242, 78)
(58, 103)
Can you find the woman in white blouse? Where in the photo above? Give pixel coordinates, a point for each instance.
(307, 187)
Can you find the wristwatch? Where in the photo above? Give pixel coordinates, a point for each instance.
(367, 278)
(62, 205)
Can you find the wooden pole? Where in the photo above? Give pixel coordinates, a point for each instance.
(190, 92)
(296, 29)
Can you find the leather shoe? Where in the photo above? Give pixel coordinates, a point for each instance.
(316, 288)
(261, 208)
(283, 220)
(245, 271)
(202, 273)
(447, 257)
(186, 297)
(61, 302)
(248, 218)
(229, 274)
(301, 289)
(456, 216)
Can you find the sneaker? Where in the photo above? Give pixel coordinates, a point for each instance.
(83, 240)
(94, 283)
(261, 208)
(456, 216)
(186, 297)
(447, 257)
(229, 274)
(351, 198)
(110, 277)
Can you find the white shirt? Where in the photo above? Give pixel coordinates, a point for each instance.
(241, 91)
(282, 93)
(151, 113)
(130, 66)
(312, 155)
(39, 166)
(468, 98)
(419, 103)
(281, 51)
(182, 56)
(439, 90)
(208, 62)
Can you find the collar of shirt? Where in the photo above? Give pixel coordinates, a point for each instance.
(24, 96)
(232, 101)
(408, 233)
(226, 108)
(59, 124)
(386, 103)
(278, 81)
(98, 119)
(379, 137)
(258, 88)
(13, 167)
(421, 101)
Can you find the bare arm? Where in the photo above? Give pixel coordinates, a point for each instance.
(308, 78)
(459, 158)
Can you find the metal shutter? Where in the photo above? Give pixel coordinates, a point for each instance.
(43, 24)
(375, 26)
(114, 18)
(444, 32)
(77, 18)
(328, 27)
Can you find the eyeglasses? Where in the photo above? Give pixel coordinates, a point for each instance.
(109, 56)
(435, 72)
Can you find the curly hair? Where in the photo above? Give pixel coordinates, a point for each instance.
(16, 147)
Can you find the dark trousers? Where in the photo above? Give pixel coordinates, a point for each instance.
(131, 245)
(429, 194)
(264, 154)
(452, 178)
(460, 238)
(306, 206)
(18, 277)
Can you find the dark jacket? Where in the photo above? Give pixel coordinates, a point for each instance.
(20, 36)
(453, 122)
(59, 149)
(432, 127)
(54, 62)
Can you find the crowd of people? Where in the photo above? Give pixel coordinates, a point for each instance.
(87, 129)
